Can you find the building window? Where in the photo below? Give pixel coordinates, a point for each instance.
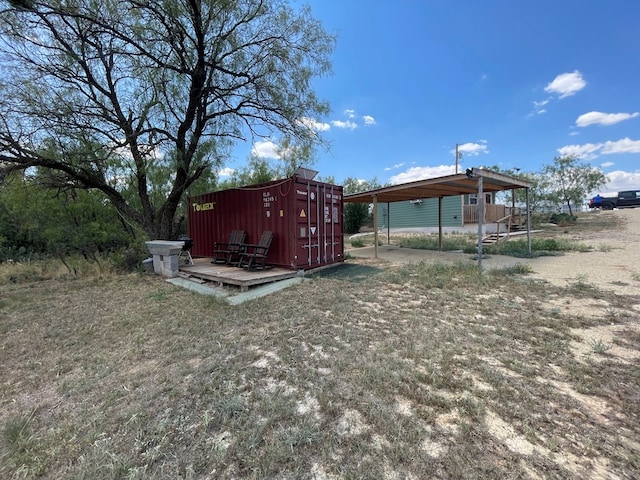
(473, 198)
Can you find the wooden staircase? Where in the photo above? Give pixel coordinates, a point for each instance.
(514, 222)
(518, 220)
(492, 238)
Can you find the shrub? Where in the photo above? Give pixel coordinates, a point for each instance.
(430, 242)
(563, 219)
(357, 242)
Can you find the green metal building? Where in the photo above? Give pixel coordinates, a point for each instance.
(420, 213)
(424, 212)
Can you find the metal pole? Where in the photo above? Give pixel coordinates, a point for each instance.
(480, 215)
(375, 226)
(440, 223)
(528, 221)
(388, 223)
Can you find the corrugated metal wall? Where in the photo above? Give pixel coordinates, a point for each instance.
(305, 217)
(425, 214)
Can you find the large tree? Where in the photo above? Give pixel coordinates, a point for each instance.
(538, 191)
(140, 99)
(357, 214)
(569, 180)
(260, 169)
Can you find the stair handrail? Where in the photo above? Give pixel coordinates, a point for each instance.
(508, 232)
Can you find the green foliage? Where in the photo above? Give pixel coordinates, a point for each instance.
(512, 247)
(142, 101)
(563, 219)
(537, 190)
(598, 346)
(437, 275)
(570, 181)
(567, 181)
(259, 169)
(539, 218)
(517, 269)
(357, 243)
(357, 214)
(431, 242)
(71, 266)
(37, 221)
(21, 443)
(540, 247)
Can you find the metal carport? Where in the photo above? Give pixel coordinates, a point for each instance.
(474, 180)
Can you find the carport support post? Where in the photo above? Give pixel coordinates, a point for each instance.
(440, 223)
(375, 226)
(388, 223)
(526, 191)
(480, 215)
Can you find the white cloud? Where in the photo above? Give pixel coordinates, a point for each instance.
(538, 106)
(566, 84)
(587, 151)
(600, 118)
(314, 124)
(590, 151)
(472, 149)
(340, 124)
(226, 172)
(607, 164)
(395, 167)
(625, 145)
(620, 180)
(421, 173)
(350, 122)
(265, 149)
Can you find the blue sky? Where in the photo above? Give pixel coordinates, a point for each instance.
(515, 83)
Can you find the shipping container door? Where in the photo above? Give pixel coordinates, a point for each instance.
(318, 224)
(332, 237)
(308, 247)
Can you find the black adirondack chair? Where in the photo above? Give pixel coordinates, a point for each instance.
(229, 252)
(255, 255)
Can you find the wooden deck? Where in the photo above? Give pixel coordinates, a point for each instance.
(229, 275)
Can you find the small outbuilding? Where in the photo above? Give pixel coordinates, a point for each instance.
(303, 215)
(474, 181)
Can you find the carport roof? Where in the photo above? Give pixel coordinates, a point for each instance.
(457, 184)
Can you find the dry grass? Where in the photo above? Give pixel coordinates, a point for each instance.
(365, 371)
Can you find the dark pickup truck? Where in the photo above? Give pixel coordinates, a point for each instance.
(627, 199)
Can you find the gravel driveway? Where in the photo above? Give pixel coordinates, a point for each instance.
(614, 265)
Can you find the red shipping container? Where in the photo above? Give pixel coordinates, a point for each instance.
(304, 215)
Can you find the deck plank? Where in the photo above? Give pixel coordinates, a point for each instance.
(230, 275)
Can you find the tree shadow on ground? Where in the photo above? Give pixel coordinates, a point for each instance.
(349, 272)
